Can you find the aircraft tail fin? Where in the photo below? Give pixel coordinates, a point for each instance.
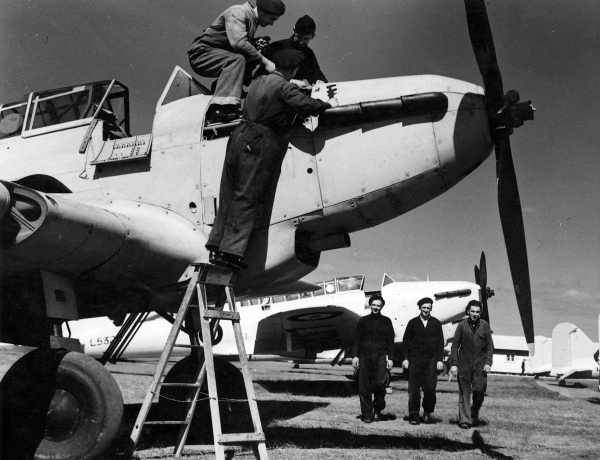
(572, 350)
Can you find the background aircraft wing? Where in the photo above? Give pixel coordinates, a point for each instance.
(305, 331)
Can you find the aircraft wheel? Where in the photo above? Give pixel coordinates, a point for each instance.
(235, 415)
(72, 412)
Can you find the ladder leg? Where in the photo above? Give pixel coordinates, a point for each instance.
(185, 429)
(164, 358)
(183, 433)
(261, 446)
(210, 374)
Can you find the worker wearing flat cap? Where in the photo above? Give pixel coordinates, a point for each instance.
(423, 344)
(253, 158)
(372, 356)
(471, 358)
(304, 32)
(224, 49)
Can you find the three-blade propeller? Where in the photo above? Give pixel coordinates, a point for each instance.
(505, 113)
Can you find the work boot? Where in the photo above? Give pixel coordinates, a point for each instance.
(234, 260)
(381, 417)
(222, 259)
(427, 418)
(478, 421)
(366, 419)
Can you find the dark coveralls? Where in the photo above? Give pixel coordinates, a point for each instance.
(253, 159)
(309, 67)
(424, 347)
(472, 348)
(374, 342)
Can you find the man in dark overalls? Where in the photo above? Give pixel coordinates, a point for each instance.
(255, 152)
(471, 358)
(309, 71)
(372, 356)
(423, 343)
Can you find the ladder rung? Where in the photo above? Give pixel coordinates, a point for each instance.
(178, 384)
(236, 438)
(165, 422)
(220, 314)
(188, 346)
(202, 448)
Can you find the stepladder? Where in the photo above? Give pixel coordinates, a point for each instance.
(199, 319)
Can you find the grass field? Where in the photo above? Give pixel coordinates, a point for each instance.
(311, 412)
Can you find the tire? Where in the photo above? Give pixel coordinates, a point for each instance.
(59, 406)
(235, 416)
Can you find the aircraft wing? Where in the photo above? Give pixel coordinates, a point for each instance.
(578, 373)
(304, 332)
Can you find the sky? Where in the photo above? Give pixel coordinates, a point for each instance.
(548, 51)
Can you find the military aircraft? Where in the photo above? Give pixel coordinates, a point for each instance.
(98, 222)
(300, 325)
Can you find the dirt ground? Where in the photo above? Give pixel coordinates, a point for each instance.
(311, 412)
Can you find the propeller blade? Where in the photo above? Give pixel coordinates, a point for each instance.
(481, 280)
(485, 313)
(483, 270)
(482, 42)
(511, 218)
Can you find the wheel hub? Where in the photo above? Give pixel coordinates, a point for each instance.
(63, 416)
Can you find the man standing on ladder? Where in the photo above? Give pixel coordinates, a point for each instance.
(255, 152)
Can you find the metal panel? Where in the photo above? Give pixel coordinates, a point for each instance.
(212, 158)
(127, 149)
(355, 163)
(300, 194)
(59, 295)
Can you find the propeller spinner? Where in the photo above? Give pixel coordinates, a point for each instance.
(505, 113)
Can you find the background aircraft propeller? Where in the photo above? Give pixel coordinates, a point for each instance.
(486, 291)
(505, 113)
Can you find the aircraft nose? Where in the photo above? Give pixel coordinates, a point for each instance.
(463, 137)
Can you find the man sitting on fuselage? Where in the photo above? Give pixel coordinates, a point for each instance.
(224, 49)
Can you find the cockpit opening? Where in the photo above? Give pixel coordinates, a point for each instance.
(62, 108)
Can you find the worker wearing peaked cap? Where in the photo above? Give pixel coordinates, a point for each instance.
(304, 32)
(253, 159)
(224, 49)
(471, 358)
(423, 344)
(424, 300)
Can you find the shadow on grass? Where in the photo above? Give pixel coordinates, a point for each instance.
(569, 385)
(594, 400)
(237, 421)
(324, 388)
(319, 438)
(310, 387)
(480, 444)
